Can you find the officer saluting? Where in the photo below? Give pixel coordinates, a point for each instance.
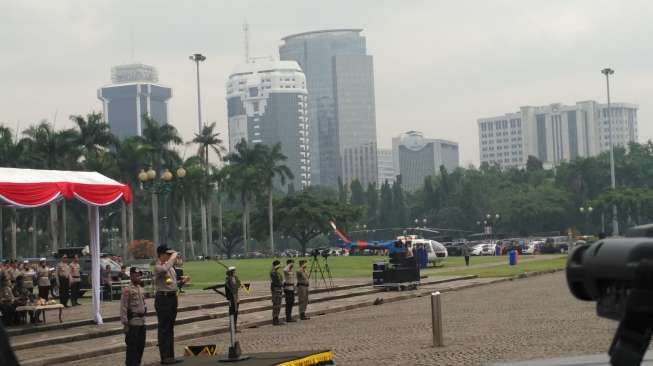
(165, 303)
(302, 289)
(132, 317)
(276, 287)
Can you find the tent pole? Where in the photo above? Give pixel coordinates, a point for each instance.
(94, 235)
(123, 231)
(34, 234)
(2, 234)
(53, 226)
(130, 213)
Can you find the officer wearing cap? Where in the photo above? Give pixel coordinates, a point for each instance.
(276, 287)
(302, 289)
(63, 277)
(132, 317)
(43, 279)
(165, 302)
(232, 285)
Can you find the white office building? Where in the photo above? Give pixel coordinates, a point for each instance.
(555, 133)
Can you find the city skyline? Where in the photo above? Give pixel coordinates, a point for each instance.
(479, 65)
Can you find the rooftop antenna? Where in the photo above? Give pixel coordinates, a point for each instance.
(246, 40)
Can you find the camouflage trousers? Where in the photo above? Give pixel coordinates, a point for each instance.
(277, 295)
(302, 298)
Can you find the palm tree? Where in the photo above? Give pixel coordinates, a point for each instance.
(272, 167)
(157, 140)
(50, 149)
(243, 176)
(207, 140)
(94, 134)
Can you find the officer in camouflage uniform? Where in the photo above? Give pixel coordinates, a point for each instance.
(276, 286)
(132, 317)
(232, 285)
(302, 289)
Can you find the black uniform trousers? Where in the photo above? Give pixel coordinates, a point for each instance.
(74, 292)
(290, 301)
(135, 340)
(165, 304)
(64, 290)
(44, 292)
(467, 260)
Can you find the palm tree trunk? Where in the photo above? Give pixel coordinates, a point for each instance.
(14, 218)
(209, 222)
(182, 242)
(62, 234)
(203, 222)
(34, 233)
(123, 230)
(220, 232)
(54, 226)
(245, 214)
(270, 219)
(155, 219)
(190, 232)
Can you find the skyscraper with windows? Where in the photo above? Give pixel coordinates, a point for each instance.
(340, 82)
(135, 91)
(555, 133)
(267, 103)
(416, 157)
(386, 167)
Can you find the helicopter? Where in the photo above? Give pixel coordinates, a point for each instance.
(392, 246)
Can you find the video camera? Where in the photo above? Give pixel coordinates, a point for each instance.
(324, 252)
(618, 274)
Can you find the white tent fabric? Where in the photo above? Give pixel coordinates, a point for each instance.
(25, 188)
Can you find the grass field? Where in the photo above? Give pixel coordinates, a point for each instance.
(205, 273)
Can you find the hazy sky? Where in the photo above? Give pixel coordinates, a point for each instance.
(439, 65)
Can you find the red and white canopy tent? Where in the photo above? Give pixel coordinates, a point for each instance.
(28, 188)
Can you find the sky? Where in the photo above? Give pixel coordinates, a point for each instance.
(438, 65)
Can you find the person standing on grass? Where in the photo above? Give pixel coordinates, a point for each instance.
(465, 252)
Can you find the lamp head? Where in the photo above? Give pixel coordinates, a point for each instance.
(151, 174)
(181, 172)
(142, 176)
(166, 176)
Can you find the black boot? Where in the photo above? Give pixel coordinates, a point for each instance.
(276, 321)
(303, 317)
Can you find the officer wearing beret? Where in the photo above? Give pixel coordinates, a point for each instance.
(165, 303)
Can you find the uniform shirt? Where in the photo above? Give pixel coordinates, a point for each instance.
(132, 301)
(288, 278)
(43, 275)
(6, 296)
(63, 270)
(302, 278)
(165, 278)
(232, 285)
(28, 278)
(74, 272)
(10, 273)
(465, 251)
(276, 282)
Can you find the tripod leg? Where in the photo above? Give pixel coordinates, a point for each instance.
(631, 341)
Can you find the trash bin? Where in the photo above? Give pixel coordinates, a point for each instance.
(512, 257)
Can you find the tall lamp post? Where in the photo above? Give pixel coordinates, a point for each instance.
(615, 222)
(586, 211)
(197, 58)
(490, 221)
(161, 187)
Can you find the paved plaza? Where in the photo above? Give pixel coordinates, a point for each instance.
(513, 320)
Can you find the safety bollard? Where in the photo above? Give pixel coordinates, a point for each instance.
(436, 318)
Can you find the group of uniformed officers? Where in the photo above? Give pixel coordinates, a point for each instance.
(285, 287)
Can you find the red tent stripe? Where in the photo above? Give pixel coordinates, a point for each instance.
(39, 194)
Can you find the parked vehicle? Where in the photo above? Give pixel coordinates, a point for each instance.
(437, 253)
(483, 249)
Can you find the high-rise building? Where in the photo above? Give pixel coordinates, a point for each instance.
(416, 157)
(340, 81)
(134, 92)
(267, 103)
(555, 132)
(386, 167)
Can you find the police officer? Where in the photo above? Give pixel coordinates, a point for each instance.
(75, 280)
(289, 288)
(276, 286)
(63, 275)
(132, 316)
(43, 279)
(165, 303)
(232, 285)
(302, 289)
(465, 252)
(28, 277)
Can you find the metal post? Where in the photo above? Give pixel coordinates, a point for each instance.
(155, 217)
(615, 222)
(199, 102)
(436, 319)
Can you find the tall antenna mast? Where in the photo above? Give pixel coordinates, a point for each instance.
(246, 39)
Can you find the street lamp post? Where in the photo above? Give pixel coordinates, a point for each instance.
(586, 211)
(490, 222)
(161, 187)
(615, 222)
(197, 58)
